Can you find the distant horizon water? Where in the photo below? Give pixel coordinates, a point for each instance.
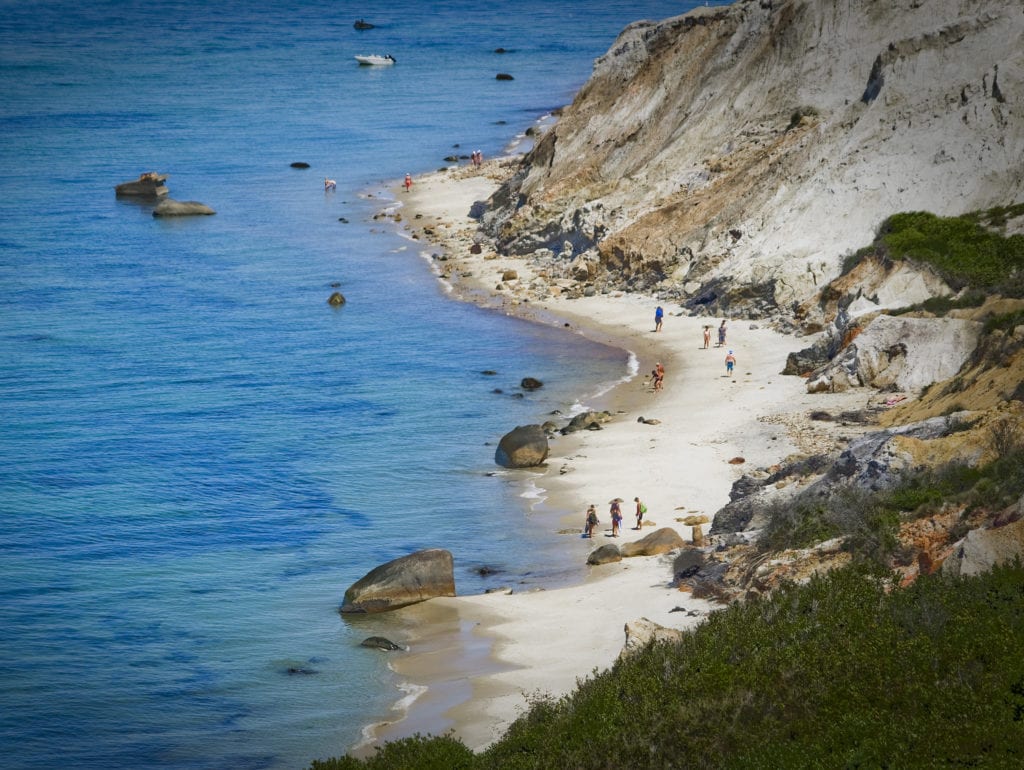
(200, 455)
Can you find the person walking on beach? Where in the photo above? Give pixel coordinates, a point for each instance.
(730, 362)
(616, 513)
(659, 316)
(721, 334)
(591, 522)
(707, 336)
(408, 186)
(641, 509)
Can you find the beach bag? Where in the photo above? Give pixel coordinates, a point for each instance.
(643, 509)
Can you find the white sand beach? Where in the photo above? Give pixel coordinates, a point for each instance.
(481, 656)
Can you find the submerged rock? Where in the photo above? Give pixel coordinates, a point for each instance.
(172, 208)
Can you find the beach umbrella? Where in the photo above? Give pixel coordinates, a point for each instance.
(616, 500)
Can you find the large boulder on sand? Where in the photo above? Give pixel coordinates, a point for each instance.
(406, 580)
(524, 447)
(169, 207)
(606, 554)
(660, 541)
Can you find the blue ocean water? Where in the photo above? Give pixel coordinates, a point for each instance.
(197, 454)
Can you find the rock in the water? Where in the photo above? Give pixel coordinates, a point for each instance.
(300, 164)
(503, 76)
(525, 446)
(337, 299)
(660, 541)
(606, 554)
(148, 185)
(530, 383)
(169, 207)
(406, 580)
(380, 643)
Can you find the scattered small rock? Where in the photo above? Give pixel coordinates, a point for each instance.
(380, 643)
(737, 461)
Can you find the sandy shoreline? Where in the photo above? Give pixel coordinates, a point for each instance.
(481, 656)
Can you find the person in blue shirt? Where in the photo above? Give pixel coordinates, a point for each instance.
(659, 315)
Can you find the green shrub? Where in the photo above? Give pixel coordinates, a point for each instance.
(961, 249)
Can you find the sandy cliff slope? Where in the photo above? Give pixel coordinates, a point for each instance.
(732, 156)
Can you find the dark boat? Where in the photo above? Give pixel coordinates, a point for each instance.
(363, 25)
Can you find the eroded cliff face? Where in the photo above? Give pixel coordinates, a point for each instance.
(732, 156)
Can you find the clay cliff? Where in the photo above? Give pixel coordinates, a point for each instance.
(731, 157)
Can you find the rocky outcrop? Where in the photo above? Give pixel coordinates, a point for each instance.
(982, 549)
(403, 581)
(641, 632)
(660, 541)
(900, 352)
(169, 207)
(526, 446)
(732, 156)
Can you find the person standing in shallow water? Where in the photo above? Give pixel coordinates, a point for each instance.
(659, 317)
(408, 186)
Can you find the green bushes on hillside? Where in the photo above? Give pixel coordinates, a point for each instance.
(962, 249)
(847, 671)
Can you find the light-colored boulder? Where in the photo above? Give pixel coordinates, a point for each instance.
(982, 549)
(660, 541)
(907, 353)
(641, 632)
(403, 581)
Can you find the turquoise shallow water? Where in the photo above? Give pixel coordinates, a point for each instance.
(198, 455)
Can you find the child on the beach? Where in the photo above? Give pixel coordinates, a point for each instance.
(730, 362)
(591, 521)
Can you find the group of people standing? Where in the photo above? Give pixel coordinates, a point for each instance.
(615, 511)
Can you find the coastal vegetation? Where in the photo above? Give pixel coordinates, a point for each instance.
(869, 522)
(846, 670)
(969, 252)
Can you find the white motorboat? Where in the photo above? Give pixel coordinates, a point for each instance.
(376, 60)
